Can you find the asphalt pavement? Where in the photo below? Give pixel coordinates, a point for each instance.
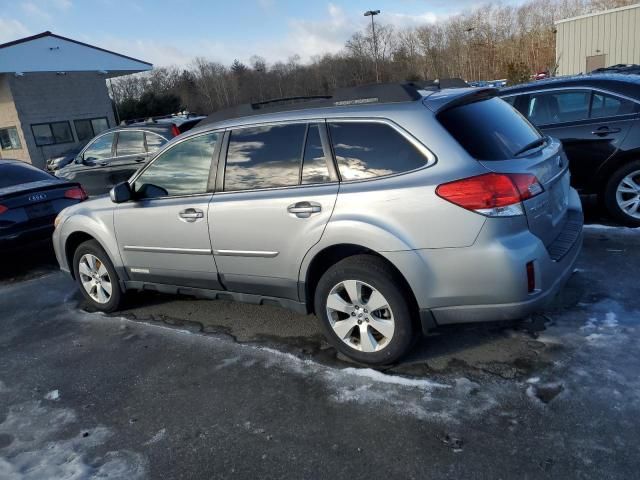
(174, 387)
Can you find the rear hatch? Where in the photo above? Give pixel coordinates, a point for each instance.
(503, 141)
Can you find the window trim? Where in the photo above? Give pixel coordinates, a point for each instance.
(35, 139)
(90, 120)
(577, 88)
(158, 153)
(11, 149)
(428, 154)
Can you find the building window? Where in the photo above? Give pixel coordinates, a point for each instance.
(88, 128)
(52, 133)
(9, 139)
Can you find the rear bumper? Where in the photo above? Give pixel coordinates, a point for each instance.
(25, 238)
(488, 281)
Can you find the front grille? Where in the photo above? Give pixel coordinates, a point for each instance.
(568, 236)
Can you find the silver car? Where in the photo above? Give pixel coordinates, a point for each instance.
(386, 210)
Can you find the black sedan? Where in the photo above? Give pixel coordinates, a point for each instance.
(597, 118)
(30, 200)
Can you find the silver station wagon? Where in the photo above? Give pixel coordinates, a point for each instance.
(386, 210)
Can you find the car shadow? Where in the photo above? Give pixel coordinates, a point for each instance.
(28, 262)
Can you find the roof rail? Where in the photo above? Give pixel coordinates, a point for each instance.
(364, 94)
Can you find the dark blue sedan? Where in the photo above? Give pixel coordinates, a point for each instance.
(30, 200)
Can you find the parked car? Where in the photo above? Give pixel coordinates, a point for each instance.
(30, 200)
(597, 118)
(57, 162)
(384, 209)
(115, 154)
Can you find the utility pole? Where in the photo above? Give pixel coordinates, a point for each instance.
(373, 13)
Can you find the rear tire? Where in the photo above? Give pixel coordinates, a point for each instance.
(96, 277)
(622, 194)
(364, 311)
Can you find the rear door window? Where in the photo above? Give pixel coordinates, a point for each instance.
(372, 149)
(154, 142)
(314, 166)
(264, 157)
(130, 143)
(490, 129)
(604, 105)
(549, 108)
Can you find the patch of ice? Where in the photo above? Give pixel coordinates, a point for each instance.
(37, 452)
(595, 337)
(52, 395)
(597, 227)
(380, 377)
(533, 380)
(157, 437)
(591, 324)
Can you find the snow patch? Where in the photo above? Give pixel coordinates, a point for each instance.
(380, 377)
(533, 380)
(52, 395)
(157, 437)
(599, 227)
(37, 452)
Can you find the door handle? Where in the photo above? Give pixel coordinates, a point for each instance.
(304, 209)
(140, 159)
(191, 215)
(603, 131)
(103, 164)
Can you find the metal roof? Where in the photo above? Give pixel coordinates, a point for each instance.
(48, 52)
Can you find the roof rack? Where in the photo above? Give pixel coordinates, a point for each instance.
(619, 68)
(365, 94)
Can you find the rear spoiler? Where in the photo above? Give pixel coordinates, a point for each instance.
(440, 101)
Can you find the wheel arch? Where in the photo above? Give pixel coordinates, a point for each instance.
(330, 255)
(78, 237)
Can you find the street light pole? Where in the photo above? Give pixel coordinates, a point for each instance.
(373, 13)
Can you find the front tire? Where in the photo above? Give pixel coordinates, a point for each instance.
(96, 277)
(622, 194)
(364, 311)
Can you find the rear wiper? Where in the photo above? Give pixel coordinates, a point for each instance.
(536, 143)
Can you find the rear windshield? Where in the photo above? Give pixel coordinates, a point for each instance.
(15, 174)
(489, 129)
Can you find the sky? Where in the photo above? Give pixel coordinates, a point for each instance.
(174, 32)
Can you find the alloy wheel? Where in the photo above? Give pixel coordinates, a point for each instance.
(95, 278)
(360, 316)
(628, 194)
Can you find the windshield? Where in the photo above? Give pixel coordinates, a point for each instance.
(490, 129)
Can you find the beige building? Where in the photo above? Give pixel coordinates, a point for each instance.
(598, 40)
(53, 94)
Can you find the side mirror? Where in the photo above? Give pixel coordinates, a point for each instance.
(121, 193)
(149, 190)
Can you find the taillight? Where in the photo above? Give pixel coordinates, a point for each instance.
(492, 194)
(76, 193)
(174, 130)
(3, 209)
